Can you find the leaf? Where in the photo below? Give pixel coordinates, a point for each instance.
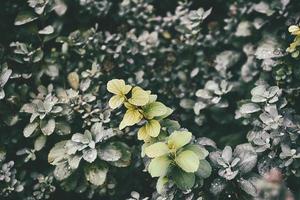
(187, 103)
(159, 166)
(109, 152)
(259, 90)
(205, 94)
(2, 93)
(130, 118)
(217, 186)
(204, 169)
(227, 154)
(47, 30)
(171, 125)
(215, 157)
(154, 109)
(57, 153)
(73, 80)
(118, 87)
(188, 161)
(156, 150)
(139, 97)
(125, 160)
(29, 129)
(249, 108)
(248, 157)
(89, 155)
(4, 76)
(62, 128)
(37, 55)
(95, 174)
(24, 17)
(116, 101)
(47, 126)
(151, 128)
(74, 161)
(160, 185)
(40, 142)
(201, 152)
(62, 171)
(178, 139)
(28, 108)
(295, 30)
(168, 112)
(182, 179)
(206, 142)
(248, 187)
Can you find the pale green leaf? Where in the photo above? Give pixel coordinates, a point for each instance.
(178, 139)
(156, 150)
(188, 161)
(154, 109)
(159, 166)
(139, 97)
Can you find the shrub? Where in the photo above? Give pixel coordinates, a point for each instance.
(147, 99)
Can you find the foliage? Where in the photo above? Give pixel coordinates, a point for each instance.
(85, 87)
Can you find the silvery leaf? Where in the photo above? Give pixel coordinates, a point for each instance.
(24, 17)
(57, 153)
(29, 129)
(248, 186)
(227, 154)
(215, 156)
(206, 142)
(109, 153)
(40, 142)
(243, 29)
(217, 186)
(89, 155)
(74, 161)
(4, 76)
(62, 171)
(2, 93)
(249, 108)
(47, 126)
(28, 108)
(63, 128)
(259, 90)
(47, 30)
(187, 103)
(205, 94)
(247, 155)
(96, 175)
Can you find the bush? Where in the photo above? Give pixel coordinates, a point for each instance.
(148, 99)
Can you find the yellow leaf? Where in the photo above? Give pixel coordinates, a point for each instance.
(152, 98)
(115, 101)
(156, 150)
(73, 80)
(129, 106)
(159, 166)
(188, 161)
(139, 97)
(294, 30)
(178, 139)
(130, 118)
(118, 86)
(142, 134)
(151, 129)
